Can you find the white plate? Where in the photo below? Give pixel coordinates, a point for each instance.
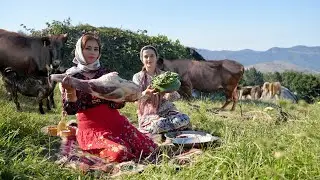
(190, 137)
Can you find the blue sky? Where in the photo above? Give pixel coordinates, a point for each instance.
(214, 25)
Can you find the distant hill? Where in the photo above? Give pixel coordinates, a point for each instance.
(280, 66)
(300, 58)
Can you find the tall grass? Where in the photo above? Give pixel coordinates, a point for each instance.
(254, 145)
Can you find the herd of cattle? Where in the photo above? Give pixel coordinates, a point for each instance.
(26, 63)
(267, 91)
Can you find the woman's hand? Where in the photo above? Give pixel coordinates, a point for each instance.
(71, 94)
(149, 90)
(65, 84)
(66, 87)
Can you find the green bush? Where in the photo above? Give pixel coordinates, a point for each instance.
(120, 51)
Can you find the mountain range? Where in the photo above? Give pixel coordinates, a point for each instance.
(298, 58)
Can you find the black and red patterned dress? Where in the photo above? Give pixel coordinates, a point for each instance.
(102, 130)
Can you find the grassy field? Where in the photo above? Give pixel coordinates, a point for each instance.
(254, 145)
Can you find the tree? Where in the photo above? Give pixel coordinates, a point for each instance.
(307, 86)
(277, 77)
(252, 77)
(272, 77)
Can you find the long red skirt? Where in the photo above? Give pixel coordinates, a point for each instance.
(105, 132)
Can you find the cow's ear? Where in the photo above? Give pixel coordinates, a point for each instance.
(65, 37)
(45, 41)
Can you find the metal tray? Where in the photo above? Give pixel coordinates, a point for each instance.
(190, 137)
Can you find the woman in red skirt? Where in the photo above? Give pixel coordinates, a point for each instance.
(102, 129)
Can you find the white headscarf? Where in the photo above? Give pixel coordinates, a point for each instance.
(82, 65)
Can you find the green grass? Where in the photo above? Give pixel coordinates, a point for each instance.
(254, 146)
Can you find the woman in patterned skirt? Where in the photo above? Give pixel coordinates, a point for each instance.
(102, 130)
(156, 114)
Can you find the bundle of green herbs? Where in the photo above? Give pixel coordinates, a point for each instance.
(166, 82)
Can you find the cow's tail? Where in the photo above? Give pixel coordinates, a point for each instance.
(235, 94)
(240, 77)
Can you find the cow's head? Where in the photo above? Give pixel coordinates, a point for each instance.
(57, 43)
(46, 41)
(163, 65)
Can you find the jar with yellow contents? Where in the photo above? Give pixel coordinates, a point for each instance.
(62, 127)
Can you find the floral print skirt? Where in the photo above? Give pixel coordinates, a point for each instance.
(111, 136)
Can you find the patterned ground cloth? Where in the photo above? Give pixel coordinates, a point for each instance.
(71, 156)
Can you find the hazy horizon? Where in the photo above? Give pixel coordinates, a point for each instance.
(212, 25)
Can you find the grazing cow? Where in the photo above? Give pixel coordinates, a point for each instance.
(275, 90)
(266, 91)
(271, 90)
(256, 92)
(29, 55)
(244, 92)
(206, 76)
(32, 86)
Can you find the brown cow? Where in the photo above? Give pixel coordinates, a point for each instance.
(256, 92)
(206, 76)
(30, 55)
(275, 90)
(271, 90)
(266, 91)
